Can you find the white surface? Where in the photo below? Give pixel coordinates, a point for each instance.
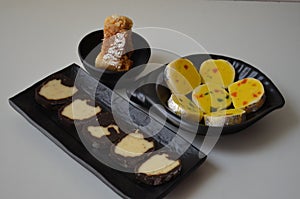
(262, 161)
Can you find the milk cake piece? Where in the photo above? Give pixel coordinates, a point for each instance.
(211, 97)
(225, 117)
(117, 44)
(247, 94)
(102, 132)
(132, 148)
(181, 76)
(55, 91)
(78, 111)
(159, 169)
(217, 72)
(184, 107)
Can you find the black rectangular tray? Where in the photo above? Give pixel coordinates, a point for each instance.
(122, 183)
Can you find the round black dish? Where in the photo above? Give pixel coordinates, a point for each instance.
(90, 46)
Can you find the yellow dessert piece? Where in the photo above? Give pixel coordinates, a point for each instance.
(247, 94)
(211, 97)
(184, 107)
(181, 76)
(217, 72)
(224, 117)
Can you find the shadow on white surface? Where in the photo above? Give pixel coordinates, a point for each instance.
(266, 132)
(191, 185)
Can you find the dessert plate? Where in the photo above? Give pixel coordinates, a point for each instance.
(123, 183)
(157, 94)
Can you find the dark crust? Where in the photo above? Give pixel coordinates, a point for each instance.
(130, 162)
(155, 180)
(53, 104)
(254, 107)
(104, 119)
(77, 123)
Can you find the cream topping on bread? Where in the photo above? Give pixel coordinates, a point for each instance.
(100, 131)
(80, 110)
(55, 90)
(133, 145)
(158, 164)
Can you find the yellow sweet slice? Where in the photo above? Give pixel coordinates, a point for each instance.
(224, 117)
(184, 107)
(247, 94)
(217, 72)
(211, 97)
(181, 76)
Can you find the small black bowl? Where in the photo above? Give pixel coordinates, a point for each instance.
(90, 46)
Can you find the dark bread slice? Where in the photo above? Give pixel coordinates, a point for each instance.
(99, 141)
(79, 122)
(155, 179)
(130, 162)
(53, 104)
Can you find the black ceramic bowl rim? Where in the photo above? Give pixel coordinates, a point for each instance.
(90, 45)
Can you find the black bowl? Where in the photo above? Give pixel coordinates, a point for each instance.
(90, 46)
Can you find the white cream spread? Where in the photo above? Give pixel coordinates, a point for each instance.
(133, 145)
(158, 164)
(80, 110)
(55, 90)
(100, 131)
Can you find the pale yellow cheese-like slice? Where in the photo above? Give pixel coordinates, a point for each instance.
(247, 94)
(80, 110)
(211, 97)
(183, 106)
(181, 76)
(224, 117)
(100, 131)
(158, 164)
(133, 145)
(55, 90)
(217, 72)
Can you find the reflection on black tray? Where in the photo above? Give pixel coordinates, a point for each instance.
(151, 94)
(125, 184)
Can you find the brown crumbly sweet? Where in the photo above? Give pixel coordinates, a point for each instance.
(117, 44)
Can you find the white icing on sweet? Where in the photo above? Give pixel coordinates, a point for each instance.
(116, 49)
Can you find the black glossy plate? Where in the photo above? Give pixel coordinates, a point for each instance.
(123, 183)
(157, 93)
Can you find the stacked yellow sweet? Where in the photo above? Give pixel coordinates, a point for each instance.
(214, 95)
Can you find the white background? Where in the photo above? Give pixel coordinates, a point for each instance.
(38, 38)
